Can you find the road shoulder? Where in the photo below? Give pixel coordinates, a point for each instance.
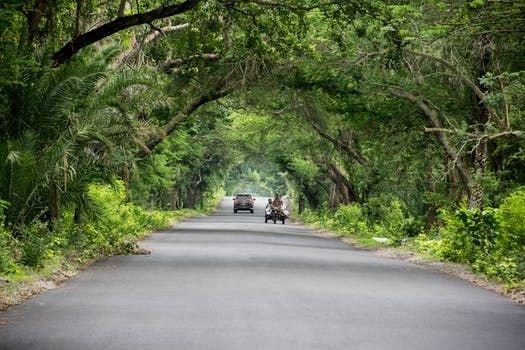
(461, 271)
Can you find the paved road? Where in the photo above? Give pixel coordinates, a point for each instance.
(232, 282)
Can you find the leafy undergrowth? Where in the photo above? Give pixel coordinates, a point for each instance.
(39, 257)
(490, 243)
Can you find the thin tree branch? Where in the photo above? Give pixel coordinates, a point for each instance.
(449, 131)
(516, 133)
(132, 53)
(171, 64)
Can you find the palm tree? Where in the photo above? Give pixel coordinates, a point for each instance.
(69, 127)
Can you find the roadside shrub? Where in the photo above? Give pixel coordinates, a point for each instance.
(430, 244)
(118, 221)
(469, 234)
(160, 219)
(492, 240)
(33, 245)
(7, 262)
(309, 216)
(111, 226)
(390, 218)
(321, 218)
(324, 217)
(511, 242)
(350, 219)
(386, 219)
(512, 217)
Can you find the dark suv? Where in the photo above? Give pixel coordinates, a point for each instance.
(243, 201)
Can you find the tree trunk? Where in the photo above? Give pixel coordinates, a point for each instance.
(312, 197)
(54, 203)
(333, 198)
(482, 114)
(78, 15)
(480, 164)
(121, 8)
(346, 189)
(432, 210)
(300, 203)
(34, 18)
(126, 180)
(193, 198)
(174, 200)
(77, 217)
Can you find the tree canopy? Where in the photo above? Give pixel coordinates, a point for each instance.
(412, 104)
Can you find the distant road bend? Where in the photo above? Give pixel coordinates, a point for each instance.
(231, 282)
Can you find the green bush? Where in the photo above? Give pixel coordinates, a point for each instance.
(33, 245)
(511, 242)
(112, 228)
(118, 221)
(309, 216)
(350, 219)
(492, 240)
(395, 223)
(512, 217)
(469, 234)
(388, 219)
(7, 262)
(321, 218)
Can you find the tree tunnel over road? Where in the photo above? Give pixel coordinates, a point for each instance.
(398, 122)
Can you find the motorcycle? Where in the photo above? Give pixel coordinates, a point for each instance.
(274, 214)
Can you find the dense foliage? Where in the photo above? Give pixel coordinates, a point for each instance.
(394, 119)
(113, 228)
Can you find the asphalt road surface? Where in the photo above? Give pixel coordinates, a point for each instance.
(232, 282)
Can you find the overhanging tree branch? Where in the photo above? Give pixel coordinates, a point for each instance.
(179, 118)
(125, 22)
(425, 107)
(347, 147)
(117, 25)
(480, 94)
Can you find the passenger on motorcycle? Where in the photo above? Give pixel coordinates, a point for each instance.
(269, 208)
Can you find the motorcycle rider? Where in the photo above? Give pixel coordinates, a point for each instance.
(277, 200)
(278, 203)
